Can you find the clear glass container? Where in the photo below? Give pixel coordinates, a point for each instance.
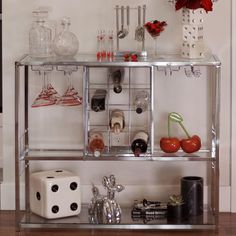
(40, 36)
(66, 43)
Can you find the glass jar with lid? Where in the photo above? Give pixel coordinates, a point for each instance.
(40, 35)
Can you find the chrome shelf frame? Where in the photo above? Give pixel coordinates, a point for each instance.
(25, 154)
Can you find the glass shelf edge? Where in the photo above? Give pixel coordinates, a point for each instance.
(120, 227)
(86, 59)
(30, 220)
(78, 155)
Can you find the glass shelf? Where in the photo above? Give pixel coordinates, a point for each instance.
(53, 154)
(30, 220)
(78, 155)
(91, 60)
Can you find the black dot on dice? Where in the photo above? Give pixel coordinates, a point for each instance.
(55, 209)
(58, 171)
(55, 188)
(50, 177)
(73, 206)
(38, 196)
(73, 186)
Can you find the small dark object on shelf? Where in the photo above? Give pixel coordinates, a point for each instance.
(176, 209)
(148, 203)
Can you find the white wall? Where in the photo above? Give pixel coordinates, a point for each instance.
(87, 17)
(1, 143)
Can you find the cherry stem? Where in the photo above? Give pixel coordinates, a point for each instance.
(168, 127)
(186, 132)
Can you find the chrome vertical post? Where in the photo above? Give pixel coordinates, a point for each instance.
(152, 75)
(17, 155)
(216, 71)
(85, 105)
(26, 140)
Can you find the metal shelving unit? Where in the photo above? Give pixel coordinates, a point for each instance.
(24, 154)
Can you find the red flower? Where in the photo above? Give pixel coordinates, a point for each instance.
(194, 4)
(207, 5)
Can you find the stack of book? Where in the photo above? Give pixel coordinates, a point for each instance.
(148, 210)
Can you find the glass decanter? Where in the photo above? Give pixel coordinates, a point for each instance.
(40, 36)
(66, 43)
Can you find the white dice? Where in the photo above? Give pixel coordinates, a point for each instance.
(193, 17)
(192, 32)
(193, 49)
(55, 194)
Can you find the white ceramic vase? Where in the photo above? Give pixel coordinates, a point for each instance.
(193, 45)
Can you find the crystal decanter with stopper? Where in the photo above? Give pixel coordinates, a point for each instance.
(66, 43)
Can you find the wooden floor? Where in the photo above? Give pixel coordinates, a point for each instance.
(7, 228)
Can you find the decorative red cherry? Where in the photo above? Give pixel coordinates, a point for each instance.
(130, 57)
(190, 145)
(134, 57)
(169, 144)
(126, 57)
